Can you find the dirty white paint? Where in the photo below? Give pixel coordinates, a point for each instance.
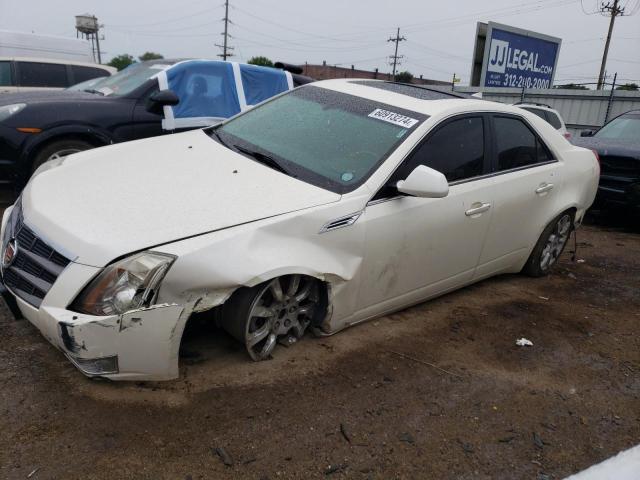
(232, 222)
(168, 188)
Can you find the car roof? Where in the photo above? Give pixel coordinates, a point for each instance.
(410, 100)
(422, 92)
(60, 61)
(540, 106)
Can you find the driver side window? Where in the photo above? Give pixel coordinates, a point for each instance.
(455, 149)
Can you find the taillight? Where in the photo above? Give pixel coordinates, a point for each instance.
(567, 135)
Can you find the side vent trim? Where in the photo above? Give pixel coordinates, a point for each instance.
(341, 222)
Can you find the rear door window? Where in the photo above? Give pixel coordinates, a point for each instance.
(36, 74)
(82, 74)
(516, 144)
(6, 76)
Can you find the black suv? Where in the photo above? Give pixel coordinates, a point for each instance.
(39, 126)
(618, 145)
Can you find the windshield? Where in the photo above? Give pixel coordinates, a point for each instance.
(327, 138)
(86, 85)
(127, 80)
(626, 127)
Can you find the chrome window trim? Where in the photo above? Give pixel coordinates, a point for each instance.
(472, 179)
(503, 172)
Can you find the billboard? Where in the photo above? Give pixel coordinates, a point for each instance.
(507, 56)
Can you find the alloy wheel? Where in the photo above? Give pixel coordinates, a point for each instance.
(63, 153)
(556, 242)
(281, 312)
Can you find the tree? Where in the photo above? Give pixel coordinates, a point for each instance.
(572, 86)
(121, 61)
(262, 61)
(150, 56)
(404, 77)
(628, 86)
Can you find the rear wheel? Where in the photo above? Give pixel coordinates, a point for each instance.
(550, 246)
(276, 311)
(59, 149)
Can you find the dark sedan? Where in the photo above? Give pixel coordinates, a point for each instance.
(618, 145)
(144, 100)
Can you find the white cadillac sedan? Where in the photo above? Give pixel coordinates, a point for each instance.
(327, 206)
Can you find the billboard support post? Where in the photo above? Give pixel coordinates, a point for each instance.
(613, 87)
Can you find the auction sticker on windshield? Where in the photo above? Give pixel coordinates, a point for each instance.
(395, 118)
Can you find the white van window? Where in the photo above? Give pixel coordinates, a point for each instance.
(35, 74)
(6, 78)
(82, 74)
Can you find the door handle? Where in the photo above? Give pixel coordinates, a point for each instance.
(544, 188)
(477, 209)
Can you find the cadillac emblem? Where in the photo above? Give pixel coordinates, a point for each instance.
(10, 252)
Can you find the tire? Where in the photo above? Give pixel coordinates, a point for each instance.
(550, 245)
(59, 148)
(277, 311)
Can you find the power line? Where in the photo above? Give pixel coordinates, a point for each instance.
(162, 22)
(517, 9)
(395, 58)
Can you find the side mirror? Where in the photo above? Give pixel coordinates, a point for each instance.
(424, 182)
(159, 99)
(587, 133)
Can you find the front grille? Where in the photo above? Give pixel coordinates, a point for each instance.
(36, 265)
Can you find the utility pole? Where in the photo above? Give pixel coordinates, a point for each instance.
(395, 57)
(614, 10)
(225, 47)
(613, 87)
(97, 34)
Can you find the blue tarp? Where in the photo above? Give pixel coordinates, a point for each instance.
(205, 89)
(261, 83)
(209, 89)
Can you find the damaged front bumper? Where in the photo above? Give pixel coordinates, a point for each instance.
(141, 344)
(138, 345)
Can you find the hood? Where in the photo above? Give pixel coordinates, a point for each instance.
(105, 203)
(609, 146)
(47, 96)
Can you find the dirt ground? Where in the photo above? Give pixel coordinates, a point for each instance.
(361, 404)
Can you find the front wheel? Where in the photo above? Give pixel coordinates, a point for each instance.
(279, 310)
(550, 246)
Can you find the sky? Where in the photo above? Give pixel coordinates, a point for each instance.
(439, 34)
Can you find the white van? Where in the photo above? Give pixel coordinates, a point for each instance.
(23, 74)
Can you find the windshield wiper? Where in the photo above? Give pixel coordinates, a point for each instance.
(264, 159)
(92, 90)
(214, 132)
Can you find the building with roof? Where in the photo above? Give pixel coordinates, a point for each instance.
(327, 72)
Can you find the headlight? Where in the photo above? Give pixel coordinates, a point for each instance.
(125, 285)
(8, 110)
